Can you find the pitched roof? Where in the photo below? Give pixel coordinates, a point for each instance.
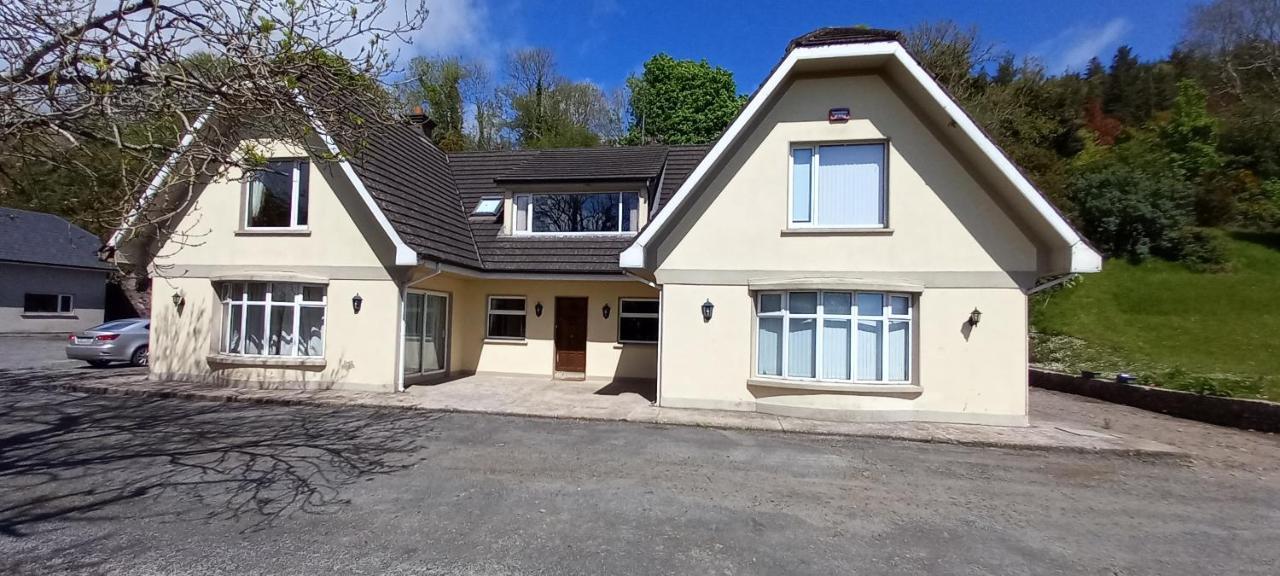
(39, 238)
(484, 174)
(843, 35)
(595, 164)
(411, 182)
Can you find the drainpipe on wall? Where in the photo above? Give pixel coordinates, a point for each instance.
(1051, 283)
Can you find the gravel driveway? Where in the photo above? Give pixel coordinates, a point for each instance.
(123, 485)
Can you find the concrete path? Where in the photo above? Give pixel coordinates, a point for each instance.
(100, 484)
(582, 401)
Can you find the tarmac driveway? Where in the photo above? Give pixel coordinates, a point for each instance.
(124, 485)
(37, 351)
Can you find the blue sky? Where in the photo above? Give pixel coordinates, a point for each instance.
(605, 40)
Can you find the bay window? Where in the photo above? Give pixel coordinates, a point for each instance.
(615, 212)
(277, 195)
(272, 319)
(839, 186)
(862, 337)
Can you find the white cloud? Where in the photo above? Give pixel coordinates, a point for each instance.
(453, 27)
(1073, 47)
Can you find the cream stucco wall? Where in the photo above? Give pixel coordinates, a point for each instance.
(949, 241)
(341, 246)
(606, 358)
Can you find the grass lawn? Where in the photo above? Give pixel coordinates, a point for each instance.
(1156, 316)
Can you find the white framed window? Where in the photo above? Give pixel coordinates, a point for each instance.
(638, 320)
(277, 196)
(842, 336)
(839, 186)
(577, 213)
(272, 318)
(47, 303)
(506, 318)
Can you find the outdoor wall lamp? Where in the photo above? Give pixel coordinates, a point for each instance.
(707, 309)
(606, 311)
(537, 310)
(356, 303)
(975, 317)
(177, 299)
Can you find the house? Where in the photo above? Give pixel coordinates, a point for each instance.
(853, 247)
(50, 277)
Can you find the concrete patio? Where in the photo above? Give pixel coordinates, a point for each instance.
(590, 400)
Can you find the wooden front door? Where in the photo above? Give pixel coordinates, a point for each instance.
(571, 334)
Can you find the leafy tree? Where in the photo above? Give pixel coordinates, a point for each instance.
(548, 111)
(443, 87)
(681, 101)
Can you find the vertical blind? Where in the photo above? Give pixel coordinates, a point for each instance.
(838, 185)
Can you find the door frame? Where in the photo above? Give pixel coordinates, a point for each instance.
(586, 330)
(410, 377)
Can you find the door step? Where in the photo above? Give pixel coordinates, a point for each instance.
(573, 376)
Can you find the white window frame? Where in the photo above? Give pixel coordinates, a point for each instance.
(886, 317)
(814, 163)
(622, 313)
(229, 301)
(57, 308)
(491, 312)
(528, 231)
(296, 182)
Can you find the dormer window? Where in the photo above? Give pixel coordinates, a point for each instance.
(577, 213)
(276, 195)
(487, 207)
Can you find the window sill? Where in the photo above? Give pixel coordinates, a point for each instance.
(506, 342)
(49, 316)
(271, 361)
(621, 345)
(273, 232)
(833, 386)
(837, 231)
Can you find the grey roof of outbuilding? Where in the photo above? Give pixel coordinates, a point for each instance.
(484, 174)
(40, 238)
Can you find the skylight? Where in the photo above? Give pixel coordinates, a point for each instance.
(488, 207)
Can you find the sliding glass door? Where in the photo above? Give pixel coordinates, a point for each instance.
(426, 332)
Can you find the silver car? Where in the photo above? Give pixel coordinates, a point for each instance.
(115, 341)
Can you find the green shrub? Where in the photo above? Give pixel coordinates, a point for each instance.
(1202, 250)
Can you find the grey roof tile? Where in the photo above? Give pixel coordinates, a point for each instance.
(39, 238)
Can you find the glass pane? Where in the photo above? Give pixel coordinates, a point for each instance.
(311, 331)
(802, 339)
(434, 350)
(900, 305)
(630, 212)
(223, 344)
(64, 303)
(836, 345)
(510, 304)
(234, 342)
(575, 212)
(304, 195)
(639, 306)
(837, 303)
(283, 292)
(769, 347)
(414, 309)
(638, 329)
(803, 303)
(770, 303)
(40, 303)
(224, 290)
(271, 196)
(488, 206)
(258, 291)
(506, 326)
(849, 181)
(870, 304)
(899, 348)
(255, 327)
(280, 333)
(869, 356)
(313, 293)
(801, 184)
(522, 213)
